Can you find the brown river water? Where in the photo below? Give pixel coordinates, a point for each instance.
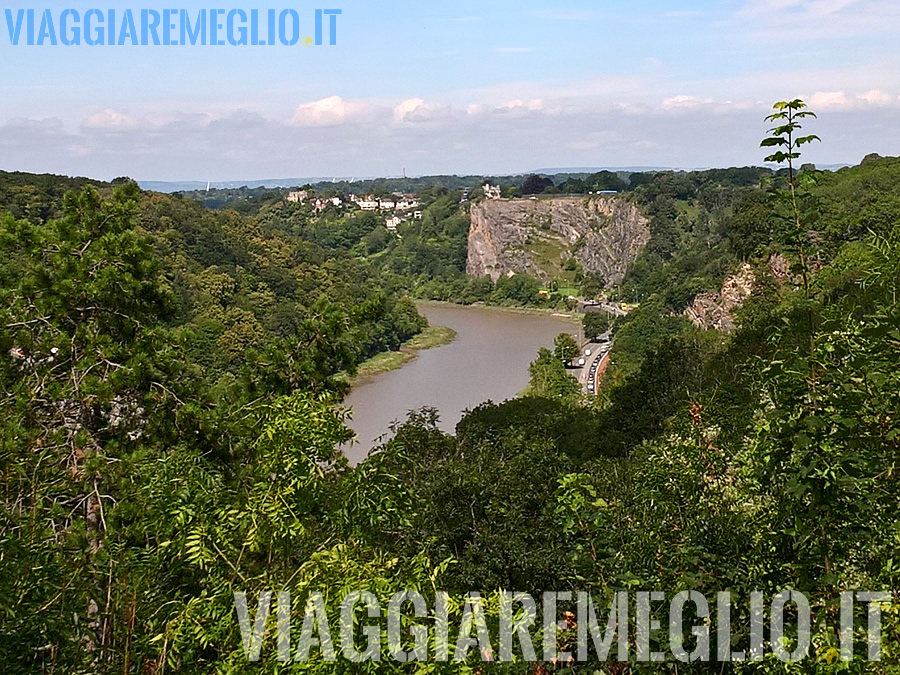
(488, 360)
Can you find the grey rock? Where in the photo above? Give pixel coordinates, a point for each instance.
(536, 236)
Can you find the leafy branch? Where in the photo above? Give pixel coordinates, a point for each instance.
(785, 136)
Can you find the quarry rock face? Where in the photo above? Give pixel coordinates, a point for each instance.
(536, 236)
(716, 310)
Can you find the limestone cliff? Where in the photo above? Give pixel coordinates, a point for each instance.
(537, 236)
(716, 310)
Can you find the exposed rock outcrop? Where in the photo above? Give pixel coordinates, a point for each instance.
(716, 310)
(536, 236)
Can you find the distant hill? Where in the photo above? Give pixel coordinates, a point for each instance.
(192, 185)
(640, 169)
(454, 181)
(597, 169)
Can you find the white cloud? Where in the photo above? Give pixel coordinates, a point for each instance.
(877, 98)
(331, 111)
(45, 125)
(110, 120)
(407, 107)
(338, 136)
(419, 111)
(532, 105)
(684, 102)
(828, 100)
(840, 100)
(688, 103)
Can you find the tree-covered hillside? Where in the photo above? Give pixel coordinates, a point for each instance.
(171, 417)
(37, 197)
(690, 213)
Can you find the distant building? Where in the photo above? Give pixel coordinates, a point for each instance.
(417, 215)
(491, 191)
(392, 223)
(298, 196)
(387, 204)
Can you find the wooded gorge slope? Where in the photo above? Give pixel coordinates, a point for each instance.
(150, 472)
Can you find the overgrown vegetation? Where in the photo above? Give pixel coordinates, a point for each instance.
(171, 414)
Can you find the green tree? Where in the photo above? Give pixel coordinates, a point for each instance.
(750, 228)
(592, 284)
(785, 137)
(535, 184)
(565, 348)
(594, 324)
(519, 288)
(549, 378)
(92, 391)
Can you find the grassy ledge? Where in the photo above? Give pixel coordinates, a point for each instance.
(432, 336)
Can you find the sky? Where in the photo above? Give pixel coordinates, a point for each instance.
(489, 87)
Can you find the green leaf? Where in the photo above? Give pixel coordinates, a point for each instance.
(784, 129)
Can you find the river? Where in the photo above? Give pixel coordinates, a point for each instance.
(488, 360)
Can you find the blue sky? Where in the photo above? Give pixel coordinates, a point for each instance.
(457, 87)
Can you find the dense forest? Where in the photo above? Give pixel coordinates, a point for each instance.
(248, 199)
(171, 412)
(693, 220)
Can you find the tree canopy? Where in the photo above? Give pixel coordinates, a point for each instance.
(172, 411)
